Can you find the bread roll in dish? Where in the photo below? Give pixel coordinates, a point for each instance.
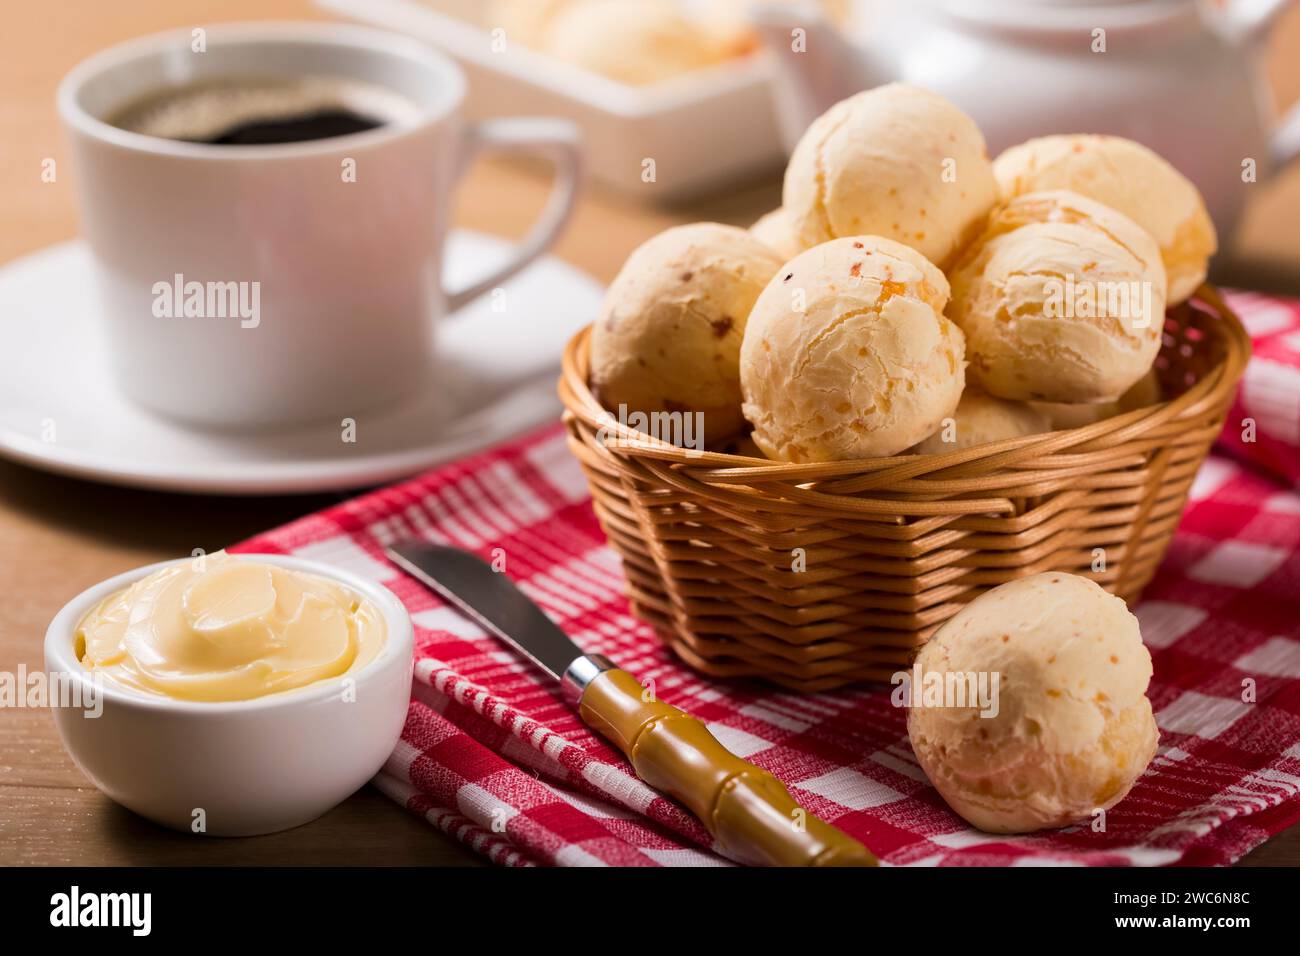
(1070, 728)
(847, 353)
(669, 333)
(896, 161)
(638, 42)
(1062, 299)
(980, 418)
(1129, 178)
(524, 21)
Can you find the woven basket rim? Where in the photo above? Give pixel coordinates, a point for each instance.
(1088, 441)
(893, 545)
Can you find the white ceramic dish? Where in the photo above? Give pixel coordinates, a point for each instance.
(252, 766)
(702, 130)
(60, 411)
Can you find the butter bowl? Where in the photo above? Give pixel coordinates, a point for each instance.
(236, 767)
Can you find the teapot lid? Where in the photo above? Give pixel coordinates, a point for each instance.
(1091, 3)
(1065, 14)
(1064, 4)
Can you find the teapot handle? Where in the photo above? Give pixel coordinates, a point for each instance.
(1247, 21)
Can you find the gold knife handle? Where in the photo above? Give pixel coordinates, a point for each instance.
(749, 812)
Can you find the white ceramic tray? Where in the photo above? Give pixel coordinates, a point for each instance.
(702, 130)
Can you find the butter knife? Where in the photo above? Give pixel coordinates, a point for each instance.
(747, 810)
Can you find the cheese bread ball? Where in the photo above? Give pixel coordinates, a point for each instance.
(1073, 728)
(775, 231)
(633, 41)
(1061, 299)
(1129, 178)
(980, 418)
(1145, 392)
(734, 18)
(848, 355)
(896, 161)
(668, 336)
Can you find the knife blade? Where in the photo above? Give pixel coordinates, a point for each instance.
(749, 812)
(491, 599)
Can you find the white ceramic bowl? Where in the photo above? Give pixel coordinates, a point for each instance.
(253, 766)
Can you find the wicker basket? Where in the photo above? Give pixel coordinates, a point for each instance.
(892, 547)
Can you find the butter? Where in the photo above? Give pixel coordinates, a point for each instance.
(221, 628)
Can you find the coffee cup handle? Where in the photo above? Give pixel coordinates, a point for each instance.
(554, 139)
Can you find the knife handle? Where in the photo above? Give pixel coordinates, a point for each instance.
(750, 813)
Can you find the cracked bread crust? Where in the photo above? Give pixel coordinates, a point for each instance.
(1132, 180)
(668, 336)
(1073, 728)
(847, 353)
(1029, 337)
(896, 161)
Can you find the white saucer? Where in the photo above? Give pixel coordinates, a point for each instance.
(60, 411)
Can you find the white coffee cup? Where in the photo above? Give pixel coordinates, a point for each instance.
(334, 246)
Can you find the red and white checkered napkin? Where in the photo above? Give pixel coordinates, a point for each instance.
(492, 756)
(1264, 425)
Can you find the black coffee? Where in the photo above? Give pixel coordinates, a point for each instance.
(319, 125)
(262, 111)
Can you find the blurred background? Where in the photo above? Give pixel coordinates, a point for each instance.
(697, 100)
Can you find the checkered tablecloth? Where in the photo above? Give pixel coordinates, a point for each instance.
(1264, 426)
(491, 755)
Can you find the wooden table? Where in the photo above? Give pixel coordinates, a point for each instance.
(58, 535)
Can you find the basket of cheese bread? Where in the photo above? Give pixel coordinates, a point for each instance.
(927, 374)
